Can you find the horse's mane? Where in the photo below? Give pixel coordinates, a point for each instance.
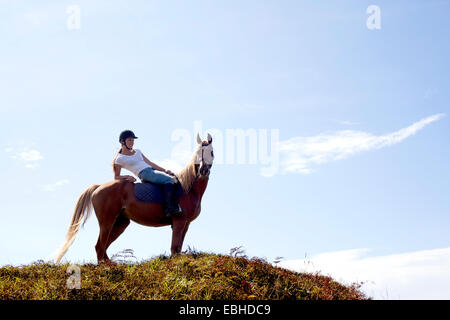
(187, 175)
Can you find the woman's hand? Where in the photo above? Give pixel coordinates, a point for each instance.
(131, 179)
(169, 172)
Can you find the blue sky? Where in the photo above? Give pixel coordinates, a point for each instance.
(362, 119)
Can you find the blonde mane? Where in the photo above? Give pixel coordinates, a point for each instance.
(187, 175)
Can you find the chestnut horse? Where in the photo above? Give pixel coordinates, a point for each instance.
(115, 205)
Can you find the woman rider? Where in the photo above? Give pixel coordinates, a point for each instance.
(136, 162)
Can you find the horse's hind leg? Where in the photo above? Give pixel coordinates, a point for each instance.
(119, 227)
(100, 247)
(106, 216)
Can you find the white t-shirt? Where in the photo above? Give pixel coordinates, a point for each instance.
(134, 163)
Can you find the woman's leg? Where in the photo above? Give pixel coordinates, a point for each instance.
(152, 175)
(171, 208)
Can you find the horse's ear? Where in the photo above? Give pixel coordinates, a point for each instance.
(199, 141)
(209, 138)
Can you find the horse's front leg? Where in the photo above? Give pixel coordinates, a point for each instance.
(186, 227)
(178, 232)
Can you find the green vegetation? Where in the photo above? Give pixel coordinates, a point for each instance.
(196, 276)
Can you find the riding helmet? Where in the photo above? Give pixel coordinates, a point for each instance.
(126, 134)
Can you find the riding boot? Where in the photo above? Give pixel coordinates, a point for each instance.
(175, 198)
(175, 209)
(170, 210)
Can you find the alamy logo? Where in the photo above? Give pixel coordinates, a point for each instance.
(233, 146)
(74, 281)
(374, 20)
(74, 18)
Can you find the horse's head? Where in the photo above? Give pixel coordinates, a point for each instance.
(204, 156)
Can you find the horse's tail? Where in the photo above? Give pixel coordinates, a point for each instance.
(82, 209)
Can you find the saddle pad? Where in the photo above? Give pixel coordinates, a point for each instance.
(153, 192)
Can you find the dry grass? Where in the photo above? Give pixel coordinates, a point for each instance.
(194, 275)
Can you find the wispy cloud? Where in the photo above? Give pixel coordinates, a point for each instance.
(301, 154)
(32, 155)
(28, 157)
(413, 275)
(55, 186)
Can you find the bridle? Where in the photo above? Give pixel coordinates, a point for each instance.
(197, 174)
(198, 171)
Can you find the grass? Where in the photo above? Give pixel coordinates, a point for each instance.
(193, 275)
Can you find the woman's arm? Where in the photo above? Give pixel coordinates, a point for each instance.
(117, 175)
(155, 166)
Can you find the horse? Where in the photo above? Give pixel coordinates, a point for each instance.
(115, 205)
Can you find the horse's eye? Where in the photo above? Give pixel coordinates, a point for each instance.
(212, 154)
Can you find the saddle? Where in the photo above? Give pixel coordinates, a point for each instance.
(152, 192)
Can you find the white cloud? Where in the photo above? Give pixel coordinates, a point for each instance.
(413, 275)
(29, 158)
(300, 154)
(55, 186)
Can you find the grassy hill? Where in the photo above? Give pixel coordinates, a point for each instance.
(195, 276)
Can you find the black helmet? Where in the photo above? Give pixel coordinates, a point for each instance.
(126, 134)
